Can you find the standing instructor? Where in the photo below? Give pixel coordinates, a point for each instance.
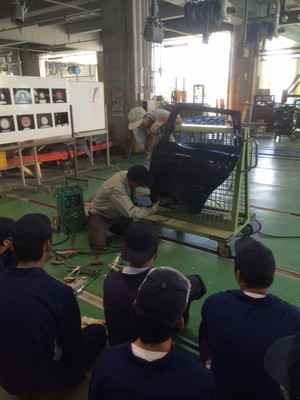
(146, 126)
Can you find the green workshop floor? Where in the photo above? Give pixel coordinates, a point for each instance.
(274, 198)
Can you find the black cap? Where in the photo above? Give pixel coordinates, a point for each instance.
(33, 227)
(282, 362)
(163, 296)
(140, 175)
(254, 257)
(7, 226)
(141, 242)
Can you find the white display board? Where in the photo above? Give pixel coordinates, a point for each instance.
(33, 108)
(88, 108)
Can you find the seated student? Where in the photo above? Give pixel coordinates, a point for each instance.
(282, 362)
(7, 256)
(120, 288)
(42, 348)
(149, 368)
(238, 326)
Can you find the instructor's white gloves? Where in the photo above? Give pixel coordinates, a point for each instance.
(155, 207)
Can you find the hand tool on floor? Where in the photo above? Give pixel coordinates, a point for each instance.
(73, 275)
(78, 290)
(116, 264)
(60, 255)
(84, 269)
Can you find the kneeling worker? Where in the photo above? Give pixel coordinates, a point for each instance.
(115, 205)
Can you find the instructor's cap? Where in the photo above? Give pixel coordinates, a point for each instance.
(140, 175)
(163, 296)
(135, 117)
(32, 227)
(141, 242)
(253, 257)
(7, 226)
(282, 362)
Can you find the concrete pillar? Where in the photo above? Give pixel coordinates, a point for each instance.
(100, 66)
(126, 61)
(29, 63)
(243, 73)
(16, 66)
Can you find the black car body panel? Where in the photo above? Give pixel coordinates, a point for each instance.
(186, 175)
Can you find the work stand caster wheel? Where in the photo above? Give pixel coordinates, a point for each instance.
(224, 250)
(247, 230)
(293, 137)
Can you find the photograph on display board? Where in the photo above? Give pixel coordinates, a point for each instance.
(7, 123)
(41, 96)
(25, 122)
(61, 119)
(22, 96)
(59, 96)
(5, 96)
(44, 120)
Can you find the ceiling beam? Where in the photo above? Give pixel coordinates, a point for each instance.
(70, 5)
(93, 25)
(170, 11)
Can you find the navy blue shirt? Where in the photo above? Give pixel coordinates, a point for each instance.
(120, 290)
(240, 329)
(40, 336)
(119, 375)
(8, 259)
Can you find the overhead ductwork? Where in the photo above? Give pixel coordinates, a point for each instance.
(17, 11)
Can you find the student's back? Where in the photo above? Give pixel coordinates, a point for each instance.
(238, 326)
(127, 377)
(120, 288)
(43, 350)
(149, 368)
(241, 328)
(40, 340)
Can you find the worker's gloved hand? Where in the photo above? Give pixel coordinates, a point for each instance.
(155, 207)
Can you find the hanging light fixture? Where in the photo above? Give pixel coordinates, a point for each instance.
(153, 30)
(17, 11)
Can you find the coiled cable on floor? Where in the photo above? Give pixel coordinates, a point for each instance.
(63, 241)
(277, 236)
(258, 231)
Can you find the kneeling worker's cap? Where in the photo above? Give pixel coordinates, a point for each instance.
(282, 362)
(254, 257)
(141, 242)
(135, 117)
(33, 226)
(163, 296)
(140, 175)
